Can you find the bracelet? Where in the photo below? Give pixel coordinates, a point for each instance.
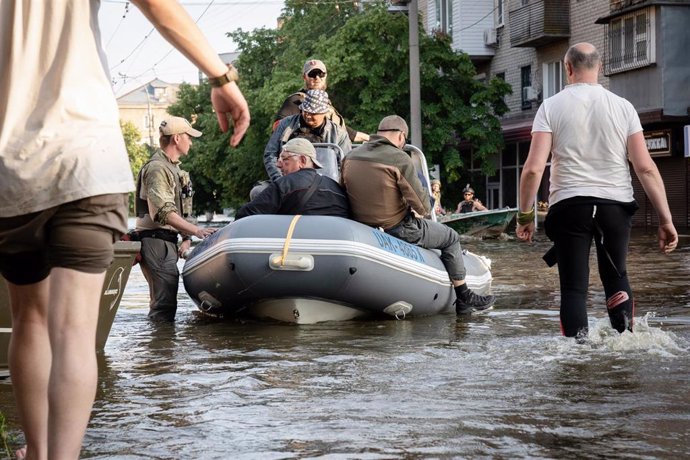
(186, 238)
(524, 218)
(230, 75)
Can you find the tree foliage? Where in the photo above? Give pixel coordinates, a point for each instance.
(366, 51)
(138, 153)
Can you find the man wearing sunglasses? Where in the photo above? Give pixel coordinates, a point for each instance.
(311, 123)
(384, 191)
(301, 189)
(314, 75)
(469, 202)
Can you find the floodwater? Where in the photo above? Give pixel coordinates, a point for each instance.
(503, 384)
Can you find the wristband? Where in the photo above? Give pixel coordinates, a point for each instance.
(524, 218)
(186, 238)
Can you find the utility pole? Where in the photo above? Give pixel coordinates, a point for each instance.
(415, 93)
(410, 6)
(150, 113)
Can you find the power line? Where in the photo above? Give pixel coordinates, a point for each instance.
(153, 67)
(124, 15)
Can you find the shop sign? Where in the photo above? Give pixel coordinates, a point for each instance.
(659, 143)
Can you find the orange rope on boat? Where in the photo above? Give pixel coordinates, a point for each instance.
(288, 238)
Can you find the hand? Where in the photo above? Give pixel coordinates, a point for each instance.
(203, 232)
(668, 238)
(525, 232)
(228, 100)
(184, 247)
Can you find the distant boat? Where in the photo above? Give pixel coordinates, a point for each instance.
(480, 224)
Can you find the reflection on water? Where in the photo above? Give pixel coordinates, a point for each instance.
(503, 384)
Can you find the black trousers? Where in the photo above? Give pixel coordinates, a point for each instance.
(572, 225)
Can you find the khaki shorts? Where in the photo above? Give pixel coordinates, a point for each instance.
(78, 235)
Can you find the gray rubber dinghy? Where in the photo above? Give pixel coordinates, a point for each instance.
(308, 269)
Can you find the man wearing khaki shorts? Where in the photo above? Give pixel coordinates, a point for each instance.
(64, 177)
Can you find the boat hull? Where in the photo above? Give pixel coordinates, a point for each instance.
(113, 287)
(266, 263)
(481, 224)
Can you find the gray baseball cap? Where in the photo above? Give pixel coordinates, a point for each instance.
(302, 146)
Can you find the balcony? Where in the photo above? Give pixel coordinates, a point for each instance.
(539, 23)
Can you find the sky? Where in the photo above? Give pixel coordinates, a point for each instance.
(137, 53)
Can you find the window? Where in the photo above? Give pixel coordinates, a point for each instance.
(499, 9)
(554, 78)
(444, 16)
(526, 82)
(631, 41)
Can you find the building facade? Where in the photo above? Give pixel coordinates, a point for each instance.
(146, 106)
(644, 44)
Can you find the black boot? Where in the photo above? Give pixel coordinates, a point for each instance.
(467, 301)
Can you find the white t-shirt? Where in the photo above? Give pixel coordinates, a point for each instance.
(60, 137)
(590, 127)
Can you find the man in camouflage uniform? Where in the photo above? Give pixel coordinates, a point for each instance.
(164, 202)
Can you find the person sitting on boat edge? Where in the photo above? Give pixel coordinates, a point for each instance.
(382, 169)
(469, 203)
(163, 204)
(312, 124)
(315, 76)
(301, 189)
(436, 197)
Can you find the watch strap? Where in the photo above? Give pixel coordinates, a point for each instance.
(230, 75)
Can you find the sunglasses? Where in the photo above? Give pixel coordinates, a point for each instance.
(316, 73)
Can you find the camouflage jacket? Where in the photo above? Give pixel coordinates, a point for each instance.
(162, 188)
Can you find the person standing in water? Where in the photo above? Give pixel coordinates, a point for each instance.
(65, 179)
(591, 134)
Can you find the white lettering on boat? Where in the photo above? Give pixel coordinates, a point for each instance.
(398, 247)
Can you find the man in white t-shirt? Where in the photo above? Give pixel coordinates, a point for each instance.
(65, 178)
(590, 133)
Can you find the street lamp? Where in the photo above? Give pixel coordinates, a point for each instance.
(415, 95)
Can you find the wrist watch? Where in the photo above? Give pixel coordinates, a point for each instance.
(230, 75)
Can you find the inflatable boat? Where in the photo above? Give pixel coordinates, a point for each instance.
(308, 269)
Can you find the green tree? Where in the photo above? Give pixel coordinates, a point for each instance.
(138, 153)
(366, 51)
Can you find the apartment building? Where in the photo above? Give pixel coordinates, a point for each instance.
(146, 106)
(645, 45)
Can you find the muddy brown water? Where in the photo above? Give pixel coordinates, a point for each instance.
(503, 384)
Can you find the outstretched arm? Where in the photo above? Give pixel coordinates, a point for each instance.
(653, 185)
(177, 27)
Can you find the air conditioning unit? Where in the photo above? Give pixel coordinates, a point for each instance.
(529, 94)
(490, 38)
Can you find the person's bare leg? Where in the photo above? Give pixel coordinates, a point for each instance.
(30, 362)
(72, 320)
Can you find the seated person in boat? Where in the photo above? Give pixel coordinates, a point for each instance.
(469, 203)
(436, 197)
(315, 77)
(312, 123)
(382, 169)
(300, 189)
